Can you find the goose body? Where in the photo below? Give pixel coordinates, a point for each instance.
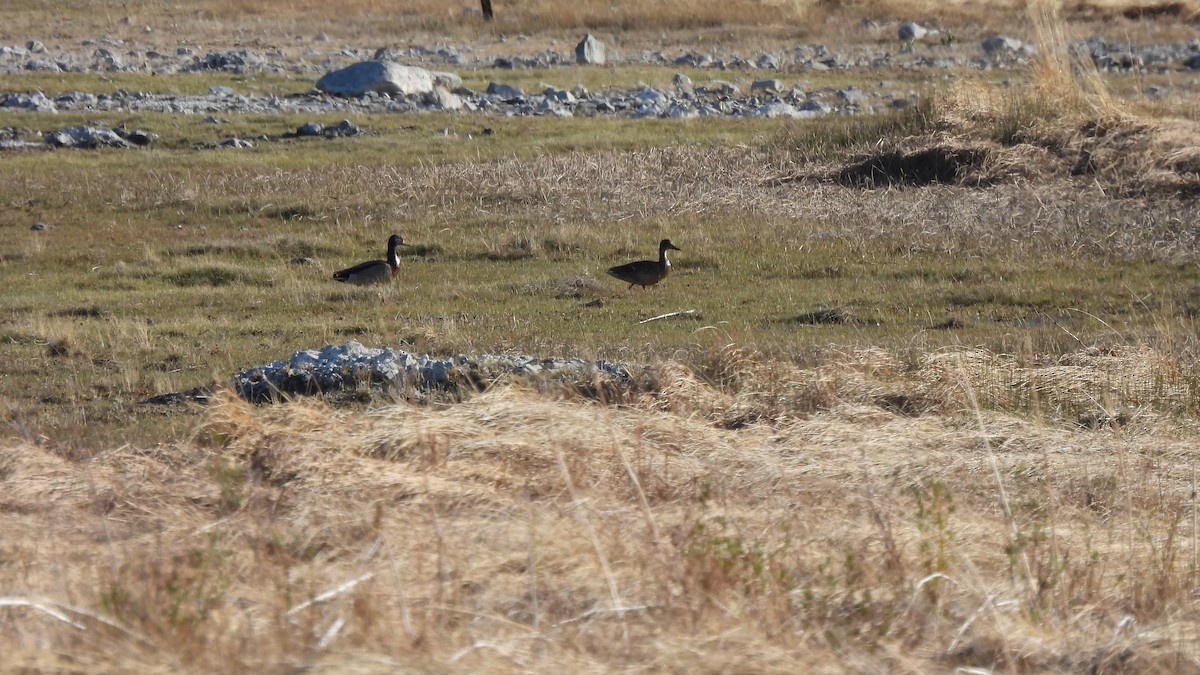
(646, 273)
(373, 271)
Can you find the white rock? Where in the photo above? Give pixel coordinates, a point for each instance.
(682, 112)
(590, 51)
(383, 77)
(36, 102)
(443, 99)
(85, 137)
(912, 31)
(776, 108)
(446, 79)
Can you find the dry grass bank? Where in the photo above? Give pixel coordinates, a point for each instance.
(835, 528)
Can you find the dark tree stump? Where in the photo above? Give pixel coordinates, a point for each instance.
(486, 6)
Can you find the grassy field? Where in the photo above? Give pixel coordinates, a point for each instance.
(936, 407)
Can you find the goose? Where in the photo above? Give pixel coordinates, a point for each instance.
(646, 273)
(373, 271)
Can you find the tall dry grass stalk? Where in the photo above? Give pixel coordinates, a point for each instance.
(1072, 80)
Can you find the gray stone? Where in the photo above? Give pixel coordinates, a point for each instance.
(35, 47)
(85, 137)
(776, 108)
(343, 128)
(446, 79)
(137, 137)
(852, 95)
(353, 368)
(767, 62)
(590, 51)
(911, 31)
(1192, 62)
(720, 88)
(310, 129)
(694, 60)
(236, 143)
(384, 77)
(505, 91)
(443, 99)
(39, 227)
(77, 98)
(769, 86)
(105, 59)
(36, 102)
(678, 111)
(559, 95)
(43, 65)
(238, 61)
(1000, 45)
(816, 105)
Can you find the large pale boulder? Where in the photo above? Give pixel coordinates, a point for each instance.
(382, 77)
(590, 51)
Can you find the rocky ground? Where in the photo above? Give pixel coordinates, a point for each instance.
(766, 83)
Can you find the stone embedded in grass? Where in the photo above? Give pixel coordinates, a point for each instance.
(85, 137)
(590, 51)
(94, 137)
(767, 62)
(779, 108)
(852, 95)
(351, 367)
(344, 128)
(381, 77)
(239, 61)
(505, 91)
(309, 129)
(36, 102)
(441, 98)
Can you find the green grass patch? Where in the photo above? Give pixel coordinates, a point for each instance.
(183, 255)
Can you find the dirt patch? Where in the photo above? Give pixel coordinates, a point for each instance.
(941, 163)
(835, 316)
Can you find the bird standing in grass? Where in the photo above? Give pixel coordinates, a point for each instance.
(646, 273)
(373, 271)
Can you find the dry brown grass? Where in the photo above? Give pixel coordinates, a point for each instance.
(828, 529)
